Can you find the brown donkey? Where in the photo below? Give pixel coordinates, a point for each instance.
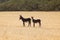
(36, 21)
(25, 20)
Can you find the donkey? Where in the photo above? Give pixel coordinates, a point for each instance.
(25, 20)
(36, 21)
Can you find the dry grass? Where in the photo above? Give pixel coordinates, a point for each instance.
(12, 29)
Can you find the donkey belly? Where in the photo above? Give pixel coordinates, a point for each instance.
(26, 20)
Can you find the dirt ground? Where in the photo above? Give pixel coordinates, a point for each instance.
(11, 28)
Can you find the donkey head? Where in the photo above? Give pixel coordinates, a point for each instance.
(20, 17)
(32, 17)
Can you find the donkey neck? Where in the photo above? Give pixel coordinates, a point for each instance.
(22, 18)
(32, 19)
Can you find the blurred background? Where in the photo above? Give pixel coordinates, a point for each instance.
(29, 5)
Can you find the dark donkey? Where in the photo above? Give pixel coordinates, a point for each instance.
(25, 20)
(36, 21)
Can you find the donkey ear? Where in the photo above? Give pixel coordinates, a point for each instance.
(20, 15)
(31, 16)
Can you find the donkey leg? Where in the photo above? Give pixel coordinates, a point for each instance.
(33, 24)
(23, 23)
(40, 24)
(29, 24)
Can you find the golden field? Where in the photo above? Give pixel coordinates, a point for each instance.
(11, 28)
